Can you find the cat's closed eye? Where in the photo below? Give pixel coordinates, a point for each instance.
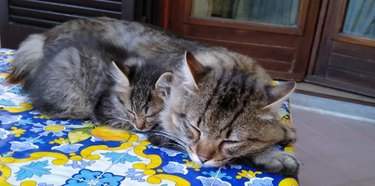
(230, 144)
(192, 131)
(231, 147)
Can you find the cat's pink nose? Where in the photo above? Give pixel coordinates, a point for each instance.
(203, 159)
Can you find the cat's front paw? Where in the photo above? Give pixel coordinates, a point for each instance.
(278, 162)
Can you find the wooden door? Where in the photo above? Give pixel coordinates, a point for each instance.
(20, 18)
(346, 51)
(278, 34)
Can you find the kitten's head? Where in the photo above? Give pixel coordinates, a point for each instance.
(223, 112)
(135, 88)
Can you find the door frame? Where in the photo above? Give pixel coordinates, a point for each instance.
(178, 17)
(256, 26)
(339, 36)
(329, 26)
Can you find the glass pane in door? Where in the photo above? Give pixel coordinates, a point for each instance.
(360, 18)
(279, 12)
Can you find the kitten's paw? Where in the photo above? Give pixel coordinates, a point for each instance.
(278, 162)
(290, 136)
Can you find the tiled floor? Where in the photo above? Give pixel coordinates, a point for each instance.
(335, 151)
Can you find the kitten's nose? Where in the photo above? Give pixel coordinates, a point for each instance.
(140, 125)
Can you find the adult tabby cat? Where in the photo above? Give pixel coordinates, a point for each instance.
(69, 72)
(218, 104)
(221, 108)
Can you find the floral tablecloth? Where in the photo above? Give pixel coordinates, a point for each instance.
(38, 150)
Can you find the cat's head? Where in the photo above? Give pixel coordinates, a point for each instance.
(222, 112)
(135, 89)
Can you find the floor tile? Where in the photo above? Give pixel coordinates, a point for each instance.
(315, 142)
(315, 172)
(333, 132)
(355, 168)
(365, 129)
(329, 145)
(369, 182)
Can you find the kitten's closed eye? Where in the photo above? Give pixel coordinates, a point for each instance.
(230, 142)
(152, 115)
(151, 118)
(131, 113)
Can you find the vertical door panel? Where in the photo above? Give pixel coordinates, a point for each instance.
(346, 57)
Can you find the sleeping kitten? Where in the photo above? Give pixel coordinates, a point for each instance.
(141, 104)
(68, 73)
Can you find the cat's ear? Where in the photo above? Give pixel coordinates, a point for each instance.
(120, 75)
(278, 94)
(163, 85)
(193, 71)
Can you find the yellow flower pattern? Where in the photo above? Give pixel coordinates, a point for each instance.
(191, 164)
(247, 174)
(17, 132)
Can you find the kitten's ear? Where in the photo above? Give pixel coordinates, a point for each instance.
(193, 71)
(278, 94)
(120, 75)
(163, 85)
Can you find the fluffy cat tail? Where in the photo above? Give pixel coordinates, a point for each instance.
(27, 58)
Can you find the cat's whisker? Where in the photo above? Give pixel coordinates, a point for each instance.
(122, 119)
(216, 176)
(171, 138)
(174, 138)
(173, 145)
(167, 143)
(230, 161)
(112, 117)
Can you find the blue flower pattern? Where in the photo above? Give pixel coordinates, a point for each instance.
(18, 146)
(133, 174)
(34, 168)
(120, 157)
(40, 128)
(175, 167)
(79, 164)
(86, 176)
(3, 134)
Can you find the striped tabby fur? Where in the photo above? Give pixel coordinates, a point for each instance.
(220, 107)
(68, 73)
